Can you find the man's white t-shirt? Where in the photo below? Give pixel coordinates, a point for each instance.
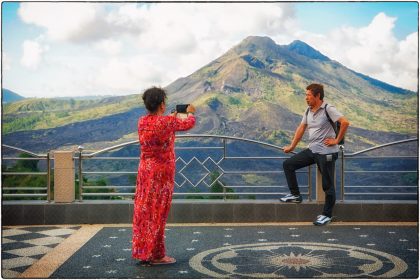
(320, 128)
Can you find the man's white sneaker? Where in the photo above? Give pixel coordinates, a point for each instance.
(291, 198)
(322, 220)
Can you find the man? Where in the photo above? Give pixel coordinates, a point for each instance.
(322, 149)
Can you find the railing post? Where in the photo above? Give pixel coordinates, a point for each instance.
(224, 156)
(64, 176)
(80, 148)
(48, 178)
(342, 172)
(309, 183)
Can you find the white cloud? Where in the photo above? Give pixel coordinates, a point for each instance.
(32, 54)
(190, 26)
(6, 61)
(372, 50)
(109, 46)
(128, 75)
(66, 21)
(131, 46)
(404, 65)
(170, 40)
(128, 18)
(191, 35)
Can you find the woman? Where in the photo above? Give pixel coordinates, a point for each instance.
(156, 175)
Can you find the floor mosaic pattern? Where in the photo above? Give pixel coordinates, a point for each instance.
(218, 251)
(255, 252)
(23, 246)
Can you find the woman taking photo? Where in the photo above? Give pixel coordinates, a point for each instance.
(156, 175)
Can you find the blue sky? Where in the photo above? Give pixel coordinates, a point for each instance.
(84, 48)
(357, 14)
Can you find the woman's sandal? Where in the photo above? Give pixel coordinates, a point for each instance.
(164, 260)
(144, 263)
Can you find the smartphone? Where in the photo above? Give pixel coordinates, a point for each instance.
(182, 108)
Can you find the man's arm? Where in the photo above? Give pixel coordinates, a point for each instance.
(298, 135)
(344, 124)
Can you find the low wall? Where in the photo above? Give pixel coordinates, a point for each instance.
(204, 211)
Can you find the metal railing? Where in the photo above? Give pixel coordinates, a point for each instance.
(216, 162)
(26, 191)
(281, 189)
(361, 155)
(228, 190)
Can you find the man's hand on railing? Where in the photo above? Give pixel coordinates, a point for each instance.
(288, 149)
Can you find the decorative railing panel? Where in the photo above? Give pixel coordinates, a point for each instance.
(203, 170)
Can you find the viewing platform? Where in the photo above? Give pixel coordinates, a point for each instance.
(229, 250)
(226, 220)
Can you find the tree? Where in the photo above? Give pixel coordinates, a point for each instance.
(217, 187)
(27, 181)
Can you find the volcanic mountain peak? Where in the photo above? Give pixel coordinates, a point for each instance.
(257, 45)
(304, 49)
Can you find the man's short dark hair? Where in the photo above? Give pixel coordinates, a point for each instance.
(316, 89)
(153, 97)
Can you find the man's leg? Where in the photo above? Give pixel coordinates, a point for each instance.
(299, 160)
(326, 165)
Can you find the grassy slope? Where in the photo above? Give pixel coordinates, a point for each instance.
(35, 114)
(366, 106)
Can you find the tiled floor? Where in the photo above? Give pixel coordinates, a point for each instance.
(215, 251)
(257, 251)
(22, 246)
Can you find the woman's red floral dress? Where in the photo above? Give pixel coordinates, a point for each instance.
(155, 183)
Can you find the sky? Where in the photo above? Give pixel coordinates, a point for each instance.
(52, 49)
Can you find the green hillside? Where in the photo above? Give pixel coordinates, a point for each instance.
(43, 113)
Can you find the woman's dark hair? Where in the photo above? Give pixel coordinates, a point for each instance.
(316, 89)
(153, 97)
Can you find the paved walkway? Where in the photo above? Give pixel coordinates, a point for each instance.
(298, 250)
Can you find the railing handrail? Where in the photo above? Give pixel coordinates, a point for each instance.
(246, 140)
(213, 136)
(186, 136)
(110, 148)
(381, 146)
(25, 151)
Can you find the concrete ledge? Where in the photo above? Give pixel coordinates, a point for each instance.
(205, 211)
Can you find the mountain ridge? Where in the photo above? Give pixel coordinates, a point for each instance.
(9, 96)
(256, 90)
(304, 49)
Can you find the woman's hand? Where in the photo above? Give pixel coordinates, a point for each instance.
(190, 109)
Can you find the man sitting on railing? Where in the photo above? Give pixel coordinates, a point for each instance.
(320, 119)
